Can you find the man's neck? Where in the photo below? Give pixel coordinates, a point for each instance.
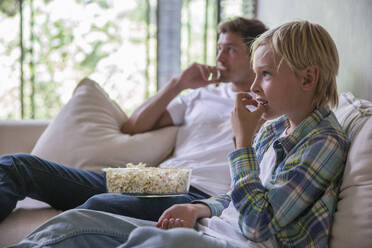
(241, 87)
(244, 85)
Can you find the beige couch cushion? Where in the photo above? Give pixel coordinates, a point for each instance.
(20, 136)
(86, 134)
(352, 225)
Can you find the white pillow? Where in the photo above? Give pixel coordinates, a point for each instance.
(352, 226)
(86, 134)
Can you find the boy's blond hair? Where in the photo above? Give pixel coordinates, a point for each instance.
(301, 44)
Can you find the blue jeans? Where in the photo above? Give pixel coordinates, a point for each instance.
(87, 228)
(64, 188)
(60, 186)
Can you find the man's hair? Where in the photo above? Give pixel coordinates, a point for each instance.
(301, 44)
(248, 29)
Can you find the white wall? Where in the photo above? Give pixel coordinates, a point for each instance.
(349, 23)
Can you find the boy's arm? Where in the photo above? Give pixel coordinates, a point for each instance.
(216, 204)
(186, 215)
(305, 178)
(183, 215)
(153, 113)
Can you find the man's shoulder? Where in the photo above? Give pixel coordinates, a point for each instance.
(216, 87)
(220, 90)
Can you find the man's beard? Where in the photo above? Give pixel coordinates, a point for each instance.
(225, 77)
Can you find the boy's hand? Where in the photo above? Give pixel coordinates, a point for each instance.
(198, 75)
(244, 122)
(182, 215)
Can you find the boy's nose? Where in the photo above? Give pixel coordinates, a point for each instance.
(255, 86)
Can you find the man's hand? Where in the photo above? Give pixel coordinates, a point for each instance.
(244, 122)
(153, 113)
(198, 75)
(183, 215)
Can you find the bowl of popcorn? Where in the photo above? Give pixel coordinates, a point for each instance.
(140, 180)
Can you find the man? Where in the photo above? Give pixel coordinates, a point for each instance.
(203, 142)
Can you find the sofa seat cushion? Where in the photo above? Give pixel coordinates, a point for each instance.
(28, 215)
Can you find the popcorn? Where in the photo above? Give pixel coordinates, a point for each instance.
(139, 179)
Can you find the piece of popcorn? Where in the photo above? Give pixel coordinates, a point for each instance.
(139, 165)
(138, 179)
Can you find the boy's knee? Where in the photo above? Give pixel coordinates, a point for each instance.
(172, 238)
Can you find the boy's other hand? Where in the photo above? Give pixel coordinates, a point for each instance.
(182, 215)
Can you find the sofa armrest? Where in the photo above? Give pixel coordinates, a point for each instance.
(20, 135)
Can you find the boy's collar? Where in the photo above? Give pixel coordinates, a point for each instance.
(303, 129)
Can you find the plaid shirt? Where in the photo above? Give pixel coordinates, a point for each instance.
(298, 205)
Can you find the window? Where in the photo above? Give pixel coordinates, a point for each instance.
(47, 46)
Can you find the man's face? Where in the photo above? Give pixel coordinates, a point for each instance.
(233, 58)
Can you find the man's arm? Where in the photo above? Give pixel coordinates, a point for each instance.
(153, 114)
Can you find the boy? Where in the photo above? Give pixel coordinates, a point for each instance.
(285, 185)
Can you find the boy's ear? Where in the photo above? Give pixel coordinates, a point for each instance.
(310, 77)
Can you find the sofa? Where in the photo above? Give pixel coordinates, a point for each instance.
(86, 134)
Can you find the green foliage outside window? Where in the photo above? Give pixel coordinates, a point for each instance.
(65, 41)
(110, 41)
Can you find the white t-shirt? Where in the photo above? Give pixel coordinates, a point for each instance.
(205, 137)
(226, 225)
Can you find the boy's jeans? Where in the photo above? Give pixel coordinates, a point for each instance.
(87, 228)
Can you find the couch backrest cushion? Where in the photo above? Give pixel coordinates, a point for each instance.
(20, 136)
(86, 134)
(352, 226)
